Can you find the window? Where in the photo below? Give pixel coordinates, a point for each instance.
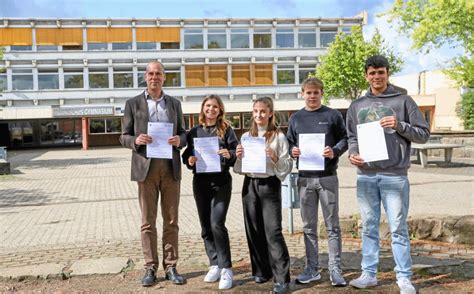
(47, 48)
(262, 38)
(97, 46)
(141, 77)
(305, 70)
(187, 123)
(48, 79)
(121, 46)
(263, 74)
(20, 48)
(346, 30)
(247, 118)
(22, 79)
(239, 38)
(216, 38)
(193, 39)
(169, 45)
(327, 36)
(217, 75)
(72, 47)
(307, 38)
(146, 46)
(73, 78)
(21, 133)
(284, 38)
(195, 119)
(98, 78)
(123, 78)
(285, 74)
(97, 126)
(3, 82)
(195, 76)
(60, 132)
(240, 75)
(173, 77)
(234, 119)
(104, 126)
(282, 118)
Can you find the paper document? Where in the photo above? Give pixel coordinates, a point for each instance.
(159, 147)
(371, 139)
(255, 159)
(311, 148)
(205, 149)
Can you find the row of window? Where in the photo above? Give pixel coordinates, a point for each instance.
(195, 76)
(239, 38)
(239, 121)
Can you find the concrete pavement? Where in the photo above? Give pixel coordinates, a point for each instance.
(65, 206)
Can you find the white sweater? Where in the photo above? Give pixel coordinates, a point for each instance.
(281, 168)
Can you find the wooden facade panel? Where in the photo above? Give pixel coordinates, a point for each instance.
(241, 75)
(218, 75)
(109, 35)
(158, 35)
(58, 36)
(16, 36)
(263, 74)
(195, 76)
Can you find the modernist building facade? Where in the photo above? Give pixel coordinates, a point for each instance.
(65, 81)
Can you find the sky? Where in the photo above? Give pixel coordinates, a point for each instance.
(414, 61)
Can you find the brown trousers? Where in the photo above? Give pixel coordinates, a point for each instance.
(159, 180)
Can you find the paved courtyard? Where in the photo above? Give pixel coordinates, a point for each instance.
(61, 205)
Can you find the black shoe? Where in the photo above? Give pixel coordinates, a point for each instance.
(173, 276)
(260, 280)
(149, 278)
(281, 287)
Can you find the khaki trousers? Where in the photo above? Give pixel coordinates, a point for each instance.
(159, 181)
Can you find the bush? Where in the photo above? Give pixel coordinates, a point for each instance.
(466, 110)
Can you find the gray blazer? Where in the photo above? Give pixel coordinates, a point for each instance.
(135, 122)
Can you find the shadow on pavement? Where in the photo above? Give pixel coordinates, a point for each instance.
(21, 197)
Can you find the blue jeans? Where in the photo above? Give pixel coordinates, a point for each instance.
(393, 193)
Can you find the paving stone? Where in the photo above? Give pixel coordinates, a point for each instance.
(105, 265)
(44, 271)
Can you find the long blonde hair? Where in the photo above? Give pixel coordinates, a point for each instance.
(272, 128)
(221, 123)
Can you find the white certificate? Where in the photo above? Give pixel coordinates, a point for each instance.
(255, 159)
(311, 148)
(159, 147)
(205, 149)
(371, 139)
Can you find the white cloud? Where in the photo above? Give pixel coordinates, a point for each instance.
(414, 61)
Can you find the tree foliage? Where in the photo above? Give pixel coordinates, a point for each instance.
(465, 110)
(434, 23)
(342, 68)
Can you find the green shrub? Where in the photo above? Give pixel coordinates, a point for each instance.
(466, 110)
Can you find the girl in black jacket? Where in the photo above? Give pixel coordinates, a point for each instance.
(212, 191)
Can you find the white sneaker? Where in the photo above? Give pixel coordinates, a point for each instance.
(226, 279)
(364, 281)
(213, 274)
(405, 285)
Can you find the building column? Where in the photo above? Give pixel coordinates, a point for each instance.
(85, 133)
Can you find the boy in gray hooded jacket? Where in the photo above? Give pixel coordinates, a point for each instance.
(385, 182)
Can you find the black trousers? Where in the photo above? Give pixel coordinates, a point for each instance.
(262, 215)
(212, 195)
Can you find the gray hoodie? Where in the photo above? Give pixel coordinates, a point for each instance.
(411, 127)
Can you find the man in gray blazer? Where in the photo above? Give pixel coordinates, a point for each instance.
(156, 176)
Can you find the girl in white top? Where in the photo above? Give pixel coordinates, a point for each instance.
(261, 198)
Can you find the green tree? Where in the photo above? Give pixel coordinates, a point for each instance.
(465, 110)
(434, 23)
(342, 68)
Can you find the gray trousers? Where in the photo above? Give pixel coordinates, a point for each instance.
(313, 190)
